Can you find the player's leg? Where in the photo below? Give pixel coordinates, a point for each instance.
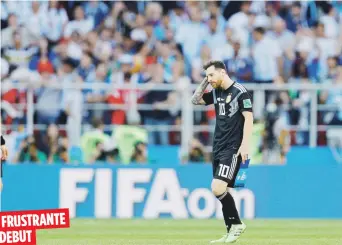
(221, 191)
(224, 177)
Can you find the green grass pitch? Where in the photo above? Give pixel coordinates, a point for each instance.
(192, 232)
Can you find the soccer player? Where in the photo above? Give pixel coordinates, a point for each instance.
(233, 130)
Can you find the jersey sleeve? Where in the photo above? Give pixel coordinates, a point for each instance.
(245, 102)
(208, 98)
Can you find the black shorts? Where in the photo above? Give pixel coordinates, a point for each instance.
(227, 167)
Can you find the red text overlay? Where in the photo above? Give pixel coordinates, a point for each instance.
(19, 227)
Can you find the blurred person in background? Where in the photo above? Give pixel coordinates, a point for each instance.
(128, 135)
(29, 152)
(286, 41)
(300, 108)
(74, 46)
(216, 37)
(166, 58)
(86, 66)
(13, 26)
(197, 152)
(35, 22)
(266, 55)
(215, 11)
(17, 54)
(97, 10)
(205, 56)
(96, 95)
(333, 97)
(45, 58)
(275, 137)
(140, 153)
(47, 106)
(81, 23)
(294, 19)
(91, 140)
(191, 33)
(161, 101)
(55, 21)
(105, 152)
(54, 146)
(239, 68)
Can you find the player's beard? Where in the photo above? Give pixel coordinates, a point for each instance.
(218, 83)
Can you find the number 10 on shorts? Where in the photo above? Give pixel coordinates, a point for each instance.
(223, 170)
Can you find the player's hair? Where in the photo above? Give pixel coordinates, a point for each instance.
(216, 63)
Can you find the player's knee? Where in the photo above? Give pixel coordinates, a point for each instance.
(218, 187)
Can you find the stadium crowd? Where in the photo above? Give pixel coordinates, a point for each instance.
(97, 42)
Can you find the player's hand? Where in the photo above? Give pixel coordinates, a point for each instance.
(4, 152)
(243, 151)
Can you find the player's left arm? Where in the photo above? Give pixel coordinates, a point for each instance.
(246, 108)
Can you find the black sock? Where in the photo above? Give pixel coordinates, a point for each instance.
(230, 213)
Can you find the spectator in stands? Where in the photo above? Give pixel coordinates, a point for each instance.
(275, 137)
(45, 59)
(97, 10)
(128, 135)
(54, 146)
(36, 21)
(286, 41)
(216, 37)
(13, 26)
(294, 19)
(325, 47)
(55, 21)
(333, 97)
(86, 66)
(197, 152)
(240, 23)
(105, 152)
(18, 55)
(97, 95)
(266, 58)
(166, 58)
(191, 34)
(29, 152)
(74, 46)
(81, 24)
(140, 153)
(161, 101)
(239, 68)
(205, 56)
(48, 109)
(91, 141)
(215, 11)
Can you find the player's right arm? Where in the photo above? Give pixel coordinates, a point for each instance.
(201, 98)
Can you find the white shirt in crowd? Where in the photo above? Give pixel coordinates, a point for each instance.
(191, 35)
(55, 19)
(331, 27)
(81, 26)
(265, 54)
(215, 40)
(285, 40)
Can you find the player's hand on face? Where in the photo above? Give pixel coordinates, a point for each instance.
(4, 152)
(243, 151)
